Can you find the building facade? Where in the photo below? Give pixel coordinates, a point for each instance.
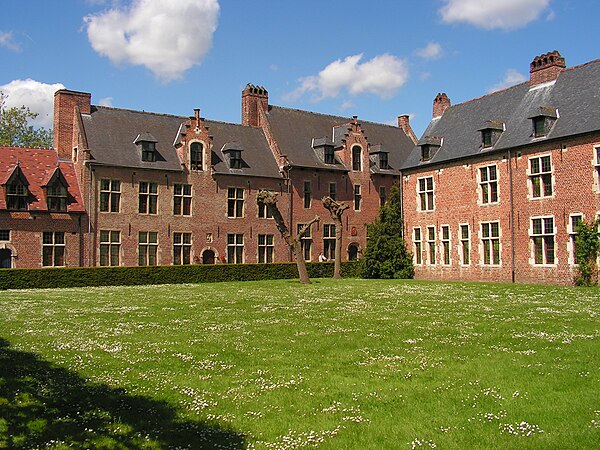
(492, 191)
(496, 185)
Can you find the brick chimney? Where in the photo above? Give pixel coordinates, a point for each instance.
(66, 104)
(253, 98)
(404, 124)
(545, 68)
(440, 104)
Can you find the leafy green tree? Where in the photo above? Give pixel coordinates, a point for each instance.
(15, 129)
(386, 255)
(587, 248)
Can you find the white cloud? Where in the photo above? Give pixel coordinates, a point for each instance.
(106, 101)
(7, 41)
(493, 14)
(38, 97)
(511, 77)
(433, 50)
(166, 37)
(383, 76)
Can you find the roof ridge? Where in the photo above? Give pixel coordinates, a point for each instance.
(139, 112)
(334, 116)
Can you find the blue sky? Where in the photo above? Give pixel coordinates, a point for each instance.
(374, 59)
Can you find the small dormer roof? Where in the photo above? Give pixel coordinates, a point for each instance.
(492, 125)
(430, 140)
(145, 137)
(14, 174)
(54, 176)
(544, 111)
(322, 142)
(377, 148)
(232, 146)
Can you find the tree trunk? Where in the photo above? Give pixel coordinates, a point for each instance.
(270, 200)
(336, 209)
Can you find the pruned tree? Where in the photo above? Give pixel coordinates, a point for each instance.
(336, 209)
(269, 199)
(15, 129)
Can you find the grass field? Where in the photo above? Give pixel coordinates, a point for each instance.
(352, 364)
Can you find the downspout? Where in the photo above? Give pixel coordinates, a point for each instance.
(291, 208)
(511, 219)
(89, 211)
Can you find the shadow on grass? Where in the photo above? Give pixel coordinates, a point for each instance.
(42, 405)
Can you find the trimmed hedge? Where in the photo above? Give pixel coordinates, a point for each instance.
(131, 276)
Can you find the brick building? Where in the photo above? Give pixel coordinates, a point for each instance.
(161, 189)
(42, 218)
(496, 185)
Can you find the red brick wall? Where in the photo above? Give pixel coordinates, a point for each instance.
(457, 200)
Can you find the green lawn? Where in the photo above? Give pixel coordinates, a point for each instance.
(351, 364)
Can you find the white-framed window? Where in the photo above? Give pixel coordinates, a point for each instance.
(445, 238)
(110, 248)
(356, 158)
(266, 248)
(264, 212)
(196, 150)
(182, 248)
(182, 199)
(574, 221)
(148, 197)
(488, 184)
(597, 166)
(418, 246)
(53, 248)
(465, 244)
(307, 194)
(490, 243)
(235, 202)
(357, 197)
(110, 195)
(431, 245)
(425, 191)
(305, 242)
(333, 190)
(540, 176)
(235, 248)
(147, 248)
(329, 240)
(542, 234)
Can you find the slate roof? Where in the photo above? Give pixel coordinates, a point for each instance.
(38, 165)
(576, 95)
(294, 130)
(111, 134)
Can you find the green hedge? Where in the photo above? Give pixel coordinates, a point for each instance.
(130, 276)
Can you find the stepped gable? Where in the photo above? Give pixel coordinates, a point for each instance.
(111, 134)
(294, 130)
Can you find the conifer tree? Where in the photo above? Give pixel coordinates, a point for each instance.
(386, 255)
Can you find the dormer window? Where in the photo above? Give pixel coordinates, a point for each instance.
(148, 151)
(57, 196)
(235, 159)
(16, 196)
(383, 161)
(17, 191)
(147, 144)
(233, 153)
(491, 132)
(196, 156)
(328, 155)
(486, 138)
(429, 146)
(543, 121)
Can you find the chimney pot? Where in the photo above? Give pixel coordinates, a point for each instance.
(440, 104)
(546, 67)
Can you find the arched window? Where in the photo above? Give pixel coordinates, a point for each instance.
(5, 258)
(356, 158)
(195, 156)
(352, 252)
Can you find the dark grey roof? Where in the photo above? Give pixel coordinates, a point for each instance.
(111, 134)
(295, 130)
(575, 94)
